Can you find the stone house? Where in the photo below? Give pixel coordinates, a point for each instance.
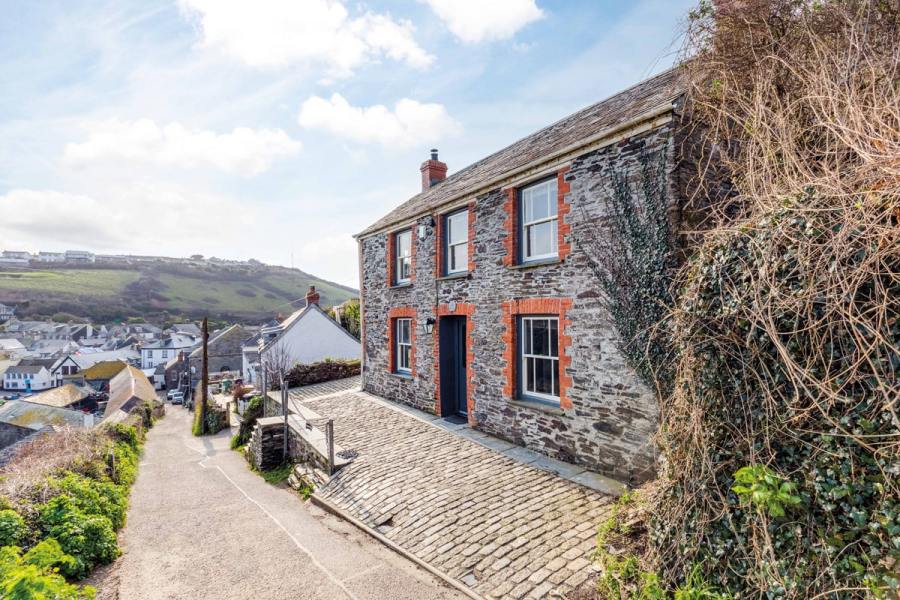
(477, 298)
(224, 351)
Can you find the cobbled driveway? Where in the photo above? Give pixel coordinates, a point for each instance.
(504, 529)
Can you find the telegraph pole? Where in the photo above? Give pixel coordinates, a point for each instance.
(204, 391)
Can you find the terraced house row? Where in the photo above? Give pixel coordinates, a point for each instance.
(479, 301)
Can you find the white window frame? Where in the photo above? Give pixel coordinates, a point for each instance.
(527, 225)
(403, 348)
(400, 259)
(449, 246)
(525, 392)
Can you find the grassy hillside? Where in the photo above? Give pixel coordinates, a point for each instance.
(162, 291)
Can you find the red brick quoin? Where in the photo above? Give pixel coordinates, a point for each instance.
(401, 312)
(511, 208)
(443, 310)
(536, 306)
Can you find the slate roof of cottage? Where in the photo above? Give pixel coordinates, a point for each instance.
(26, 369)
(626, 105)
(62, 396)
(105, 369)
(222, 335)
(38, 416)
(126, 390)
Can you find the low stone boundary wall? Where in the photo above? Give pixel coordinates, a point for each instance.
(266, 447)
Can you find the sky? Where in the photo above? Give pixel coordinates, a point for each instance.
(276, 129)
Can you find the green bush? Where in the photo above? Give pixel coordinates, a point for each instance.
(129, 434)
(88, 538)
(123, 464)
(35, 577)
(94, 497)
(12, 528)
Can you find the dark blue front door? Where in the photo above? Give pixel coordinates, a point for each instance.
(452, 331)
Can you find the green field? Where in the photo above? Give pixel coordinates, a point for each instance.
(160, 290)
(88, 282)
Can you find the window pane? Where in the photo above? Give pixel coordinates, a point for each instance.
(528, 375)
(403, 331)
(526, 336)
(539, 201)
(459, 258)
(541, 240)
(458, 227)
(556, 379)
(403, 243)
(554, 337)
(404, 268)
(540, 337)
(543, 379)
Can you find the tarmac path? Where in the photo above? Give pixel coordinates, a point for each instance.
(201, 525)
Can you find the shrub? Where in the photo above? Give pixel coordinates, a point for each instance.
(123, 464)
(94, 497)
(12, 528)
(34, 576)
(88, 538)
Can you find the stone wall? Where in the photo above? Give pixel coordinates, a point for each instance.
(609, 417)
(225, 352)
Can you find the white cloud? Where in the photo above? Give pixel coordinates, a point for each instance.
(134, 219)
(410, 122)
(477, 21)
(244, 151)
(278, 33)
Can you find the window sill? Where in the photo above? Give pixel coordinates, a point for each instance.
(400, 286)
(406, 376)
(460, 275)
(536, 263)
(545, 407)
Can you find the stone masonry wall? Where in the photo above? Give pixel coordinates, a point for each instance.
(609, 417)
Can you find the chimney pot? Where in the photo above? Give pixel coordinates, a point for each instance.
(433, 170)
(312, 296)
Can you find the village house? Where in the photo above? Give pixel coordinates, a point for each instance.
(29, 376)
(307, 336)
(7, 313)
(478, 300)
(223, 351)
(161, 351)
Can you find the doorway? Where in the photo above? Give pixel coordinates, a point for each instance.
(452, 332)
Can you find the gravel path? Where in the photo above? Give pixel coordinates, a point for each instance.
(203, 526)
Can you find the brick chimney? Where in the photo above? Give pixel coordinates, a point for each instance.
(433, 170)
(312, 296)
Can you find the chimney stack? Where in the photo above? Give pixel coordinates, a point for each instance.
(312, 296)
(432, 170)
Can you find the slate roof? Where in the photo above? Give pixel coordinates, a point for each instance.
(126, 390)
(222, 335)
(38, 416)
(62, 396)
(106, 369)
(629, 104)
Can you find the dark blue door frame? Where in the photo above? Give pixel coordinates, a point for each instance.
(452, 348)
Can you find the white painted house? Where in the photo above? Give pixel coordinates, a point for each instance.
(307, 336)
(28, 378)
(162, 351)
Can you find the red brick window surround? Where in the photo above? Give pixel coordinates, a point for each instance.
(512, 310)
(443, 245)
(403, 312)
(512, 210)
(443, 310)
(392, 248)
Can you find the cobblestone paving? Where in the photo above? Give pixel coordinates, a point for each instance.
(504, 529)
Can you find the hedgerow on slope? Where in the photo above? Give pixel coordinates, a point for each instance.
(782, 436)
